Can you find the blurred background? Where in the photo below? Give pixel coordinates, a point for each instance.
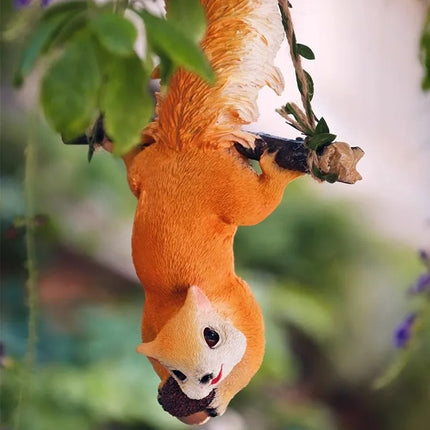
(331, 267)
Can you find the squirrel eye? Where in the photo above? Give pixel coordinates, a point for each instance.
(211, 337)
(179, 375)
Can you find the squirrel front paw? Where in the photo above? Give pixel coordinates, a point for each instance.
(288, 154)
(176, 403)
(252, 153)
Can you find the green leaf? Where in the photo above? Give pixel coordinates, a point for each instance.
(392, 371)
(52, 23)
(294, 45)
(284, 18)
(305, 51)
(290, 109)
(79, 140)
(188, 17)
(331, 178)
(76, 22)
(425, 52)
(115, 33)
(292, 125)
(167, 40)
(319, 140)
(322, 127)
(167, 68)
(317, 172)
(68, 7)
(43, 33)
(309, 84)
(70, 87)
(125, 101)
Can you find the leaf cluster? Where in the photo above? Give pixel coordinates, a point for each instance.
(93, 69)
(316, 138)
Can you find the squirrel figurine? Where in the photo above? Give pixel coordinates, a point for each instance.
(202, 329)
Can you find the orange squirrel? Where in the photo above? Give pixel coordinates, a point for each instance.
(202, 329)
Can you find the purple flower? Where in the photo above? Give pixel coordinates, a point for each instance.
(423, 281)
(424, 255)
(404, 331)
(23, 3)
(2, 354)
(421, 284)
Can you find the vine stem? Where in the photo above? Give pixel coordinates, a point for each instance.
(32, 290)
(297, 63)
(31, 283)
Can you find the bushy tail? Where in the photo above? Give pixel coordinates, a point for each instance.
(242, 39)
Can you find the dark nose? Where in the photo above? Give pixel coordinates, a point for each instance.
(207, 378)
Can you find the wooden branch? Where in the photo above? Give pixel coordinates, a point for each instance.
(337, 160)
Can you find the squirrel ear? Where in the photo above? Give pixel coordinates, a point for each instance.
(147, 348)
(196, 296)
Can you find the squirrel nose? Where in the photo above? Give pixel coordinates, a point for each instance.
(207, 378)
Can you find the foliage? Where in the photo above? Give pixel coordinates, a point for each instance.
(102, 383)
(92, 67)
(408, 336)
(425, 51)
(303, 240)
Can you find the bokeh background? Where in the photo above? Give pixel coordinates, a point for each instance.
(331, 267)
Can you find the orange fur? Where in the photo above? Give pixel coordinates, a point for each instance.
(190, 204)
(194, 189)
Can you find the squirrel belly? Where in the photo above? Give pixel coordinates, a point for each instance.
(185, 222)
(190, 204)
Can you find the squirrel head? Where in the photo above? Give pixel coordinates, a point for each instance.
(197, 346)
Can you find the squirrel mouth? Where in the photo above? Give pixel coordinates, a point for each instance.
(215, 380)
